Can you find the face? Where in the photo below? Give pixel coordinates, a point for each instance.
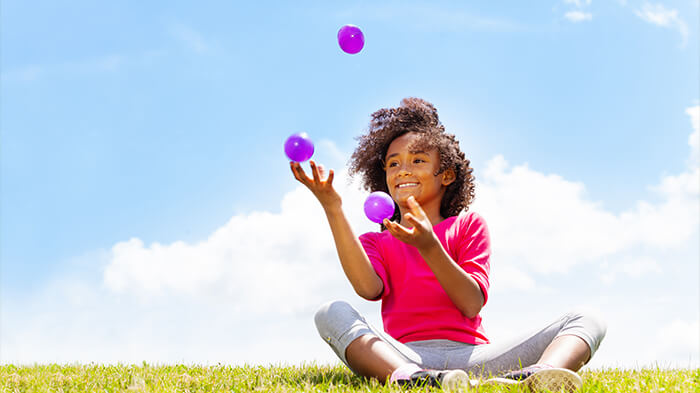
(410, 172)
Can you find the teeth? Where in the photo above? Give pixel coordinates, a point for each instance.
(406, 185)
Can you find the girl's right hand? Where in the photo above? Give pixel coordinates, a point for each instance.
(320, 186)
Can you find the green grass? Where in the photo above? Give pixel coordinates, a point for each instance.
(306, 378)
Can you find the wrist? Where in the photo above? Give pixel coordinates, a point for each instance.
(333, 209)
(430, 247)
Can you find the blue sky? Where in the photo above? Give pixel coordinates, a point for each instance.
(145, 132)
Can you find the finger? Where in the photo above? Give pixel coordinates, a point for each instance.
(299, 173)
(294, 170)
(389, 226)
(400, 230)
(392, 227)
(414, 221)
(314, 171)
(330, 177)
(321, 171)
(415, 207)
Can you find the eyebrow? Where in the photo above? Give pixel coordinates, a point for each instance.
(412, 152)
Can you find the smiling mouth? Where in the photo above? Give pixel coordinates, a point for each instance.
(406, 185)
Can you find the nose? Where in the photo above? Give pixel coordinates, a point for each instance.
(404, 169)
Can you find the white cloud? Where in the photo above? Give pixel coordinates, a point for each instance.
(666, 334)
(640, 267)
(579, 13)
(578, 3)
(72, 320)
(578, 16)
(694, 138)
(508, 277)
(547, 223)
(252, 253)
(630, 267)
(247, 293)
(680, 336)
(659, 15)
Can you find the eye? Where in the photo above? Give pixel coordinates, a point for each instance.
(392, 164)
(418, 160)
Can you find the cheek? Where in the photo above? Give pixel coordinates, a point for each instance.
(387, 183)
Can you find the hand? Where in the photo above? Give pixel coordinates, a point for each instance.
(421, 235)
(320, 185)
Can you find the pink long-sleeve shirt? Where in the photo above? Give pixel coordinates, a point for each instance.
(415, 307)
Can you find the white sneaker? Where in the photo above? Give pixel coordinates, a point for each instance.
(552, 379)
(448, 380)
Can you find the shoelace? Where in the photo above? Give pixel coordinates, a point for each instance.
(422, 378)
(523, 373)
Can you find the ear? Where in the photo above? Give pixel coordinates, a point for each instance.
(448, 176)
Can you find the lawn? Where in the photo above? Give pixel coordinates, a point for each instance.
(305, 378)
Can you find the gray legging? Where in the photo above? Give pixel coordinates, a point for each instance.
(340, 324)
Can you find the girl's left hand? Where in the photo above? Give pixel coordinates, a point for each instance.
(421, 235)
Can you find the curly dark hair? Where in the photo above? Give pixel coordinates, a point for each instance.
(418, 116)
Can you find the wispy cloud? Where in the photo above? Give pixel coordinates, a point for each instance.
(578, 3)
(103, 64)
(578, 16)
(192, 39)
(579, 13)
(27, 73)
(659, 15)
(430, 18)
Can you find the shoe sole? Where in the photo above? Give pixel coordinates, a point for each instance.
(457, 381)
(552, 379)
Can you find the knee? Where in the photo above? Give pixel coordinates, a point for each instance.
(592, 318)
(330, 313)
(593, 323)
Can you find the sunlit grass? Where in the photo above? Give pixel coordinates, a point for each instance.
(304, 378)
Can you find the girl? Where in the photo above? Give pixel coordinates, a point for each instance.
(429, 266)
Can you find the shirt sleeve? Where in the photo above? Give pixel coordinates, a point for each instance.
(370, 242)
(474, 251)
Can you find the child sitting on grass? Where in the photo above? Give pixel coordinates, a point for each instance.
(429, 266)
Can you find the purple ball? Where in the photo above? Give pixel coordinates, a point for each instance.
(379, 206)
(299, 147)
(351, 39)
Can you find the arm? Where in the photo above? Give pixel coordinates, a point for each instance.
(353, 258)
(462, 289)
